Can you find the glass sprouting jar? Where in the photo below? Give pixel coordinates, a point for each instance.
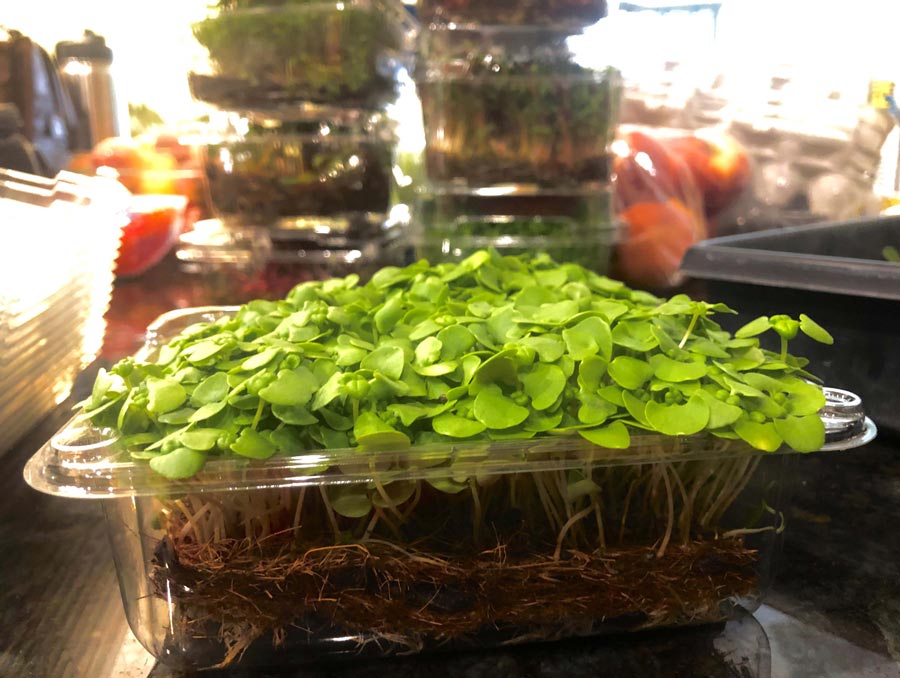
(393, 550)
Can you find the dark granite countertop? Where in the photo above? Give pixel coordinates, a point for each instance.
(834, 611)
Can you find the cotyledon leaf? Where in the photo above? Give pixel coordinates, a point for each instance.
(455, 426)
(164, 395)
(803, 434)
(178, 464)
(212, 389)
(291, 387)
(252, 444)
(543, 385)
(630, 373)
(371, 432)
(721, 414)
(668, 369)
(496, 411)
(589, 337)
(691, 417)
(614, 435)
(349, 500)
(762, 436)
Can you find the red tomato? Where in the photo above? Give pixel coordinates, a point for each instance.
(155, 224)
(718, 163)
(169, 143)
(659, 233)
(646, 172)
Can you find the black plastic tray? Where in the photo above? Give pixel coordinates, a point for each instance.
(837, 274)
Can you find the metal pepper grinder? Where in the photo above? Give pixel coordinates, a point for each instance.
(84, 67)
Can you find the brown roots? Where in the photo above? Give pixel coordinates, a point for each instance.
(236, 591)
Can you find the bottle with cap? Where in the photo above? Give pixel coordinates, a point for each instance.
(85, 71)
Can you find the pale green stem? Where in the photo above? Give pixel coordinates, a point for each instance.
(690, 329)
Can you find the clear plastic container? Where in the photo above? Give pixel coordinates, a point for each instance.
(52, 302)
(277, 172)
(264, 53)
(570, 225)
(592, 252)
(514, 105)
(513, 12)
(517, 210)
(234, 265)
(399, 550)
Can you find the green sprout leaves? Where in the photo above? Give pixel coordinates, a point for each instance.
(786, 328)
(675, 420)
(543, 385)
(178, 464)
(491, 348)
(813, 330)
(496, 411)
(454, 426)
(164, 395)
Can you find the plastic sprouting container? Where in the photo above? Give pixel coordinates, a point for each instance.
(513, 105)
(517, 210)
(513, 12)
(592, 252)
(837, 273)
(570, 225)
(263, 53)
(467, 545)
(278, 172)
(234, 265)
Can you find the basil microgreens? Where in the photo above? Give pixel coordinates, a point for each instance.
(490, 348)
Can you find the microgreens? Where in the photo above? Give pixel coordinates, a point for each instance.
(491, 348)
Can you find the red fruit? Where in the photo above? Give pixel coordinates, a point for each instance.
(155, 224)
(169, 144)
(645, 171)
(659, 233)
(122, 155)
(718, 163)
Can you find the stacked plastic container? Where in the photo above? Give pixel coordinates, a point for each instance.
(300, 157)
(57, 268)
(519, 112)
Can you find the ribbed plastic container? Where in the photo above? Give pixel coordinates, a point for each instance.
(385, 551)
(52, 301)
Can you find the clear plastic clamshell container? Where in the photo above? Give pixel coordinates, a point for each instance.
(52, 301)
(515, 105)
(467, 545)
(572, 226)
(236, 264)
(513, 12)
(263, 53)
(289, 173)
